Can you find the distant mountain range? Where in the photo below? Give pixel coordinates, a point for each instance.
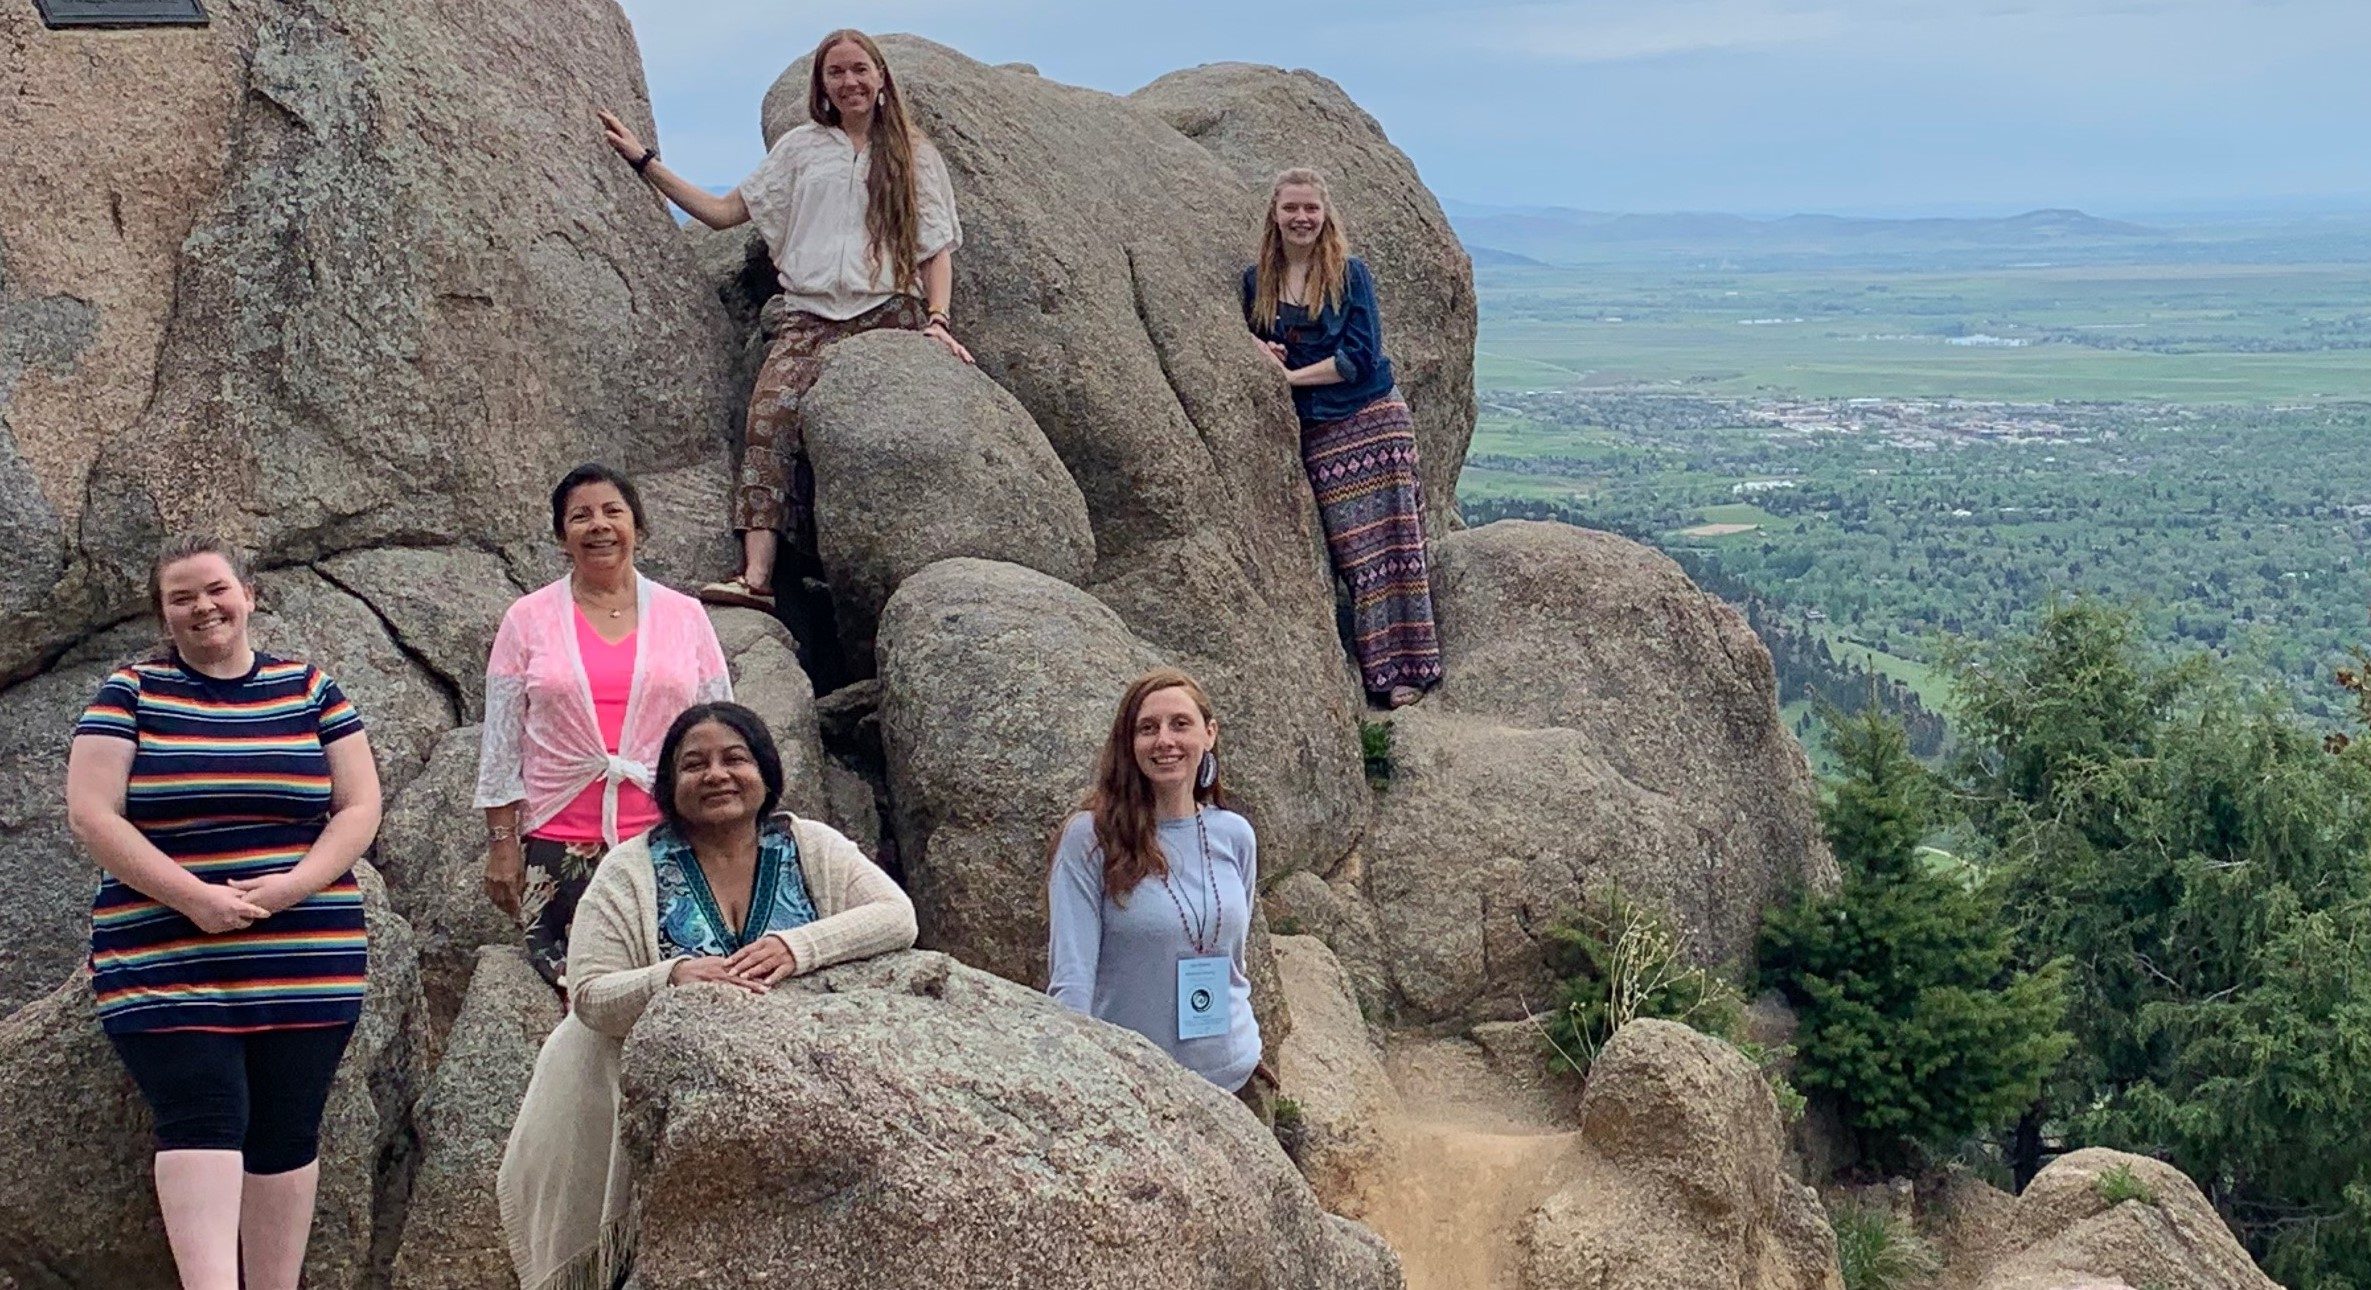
(1501, 236)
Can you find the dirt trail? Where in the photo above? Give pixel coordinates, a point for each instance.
(1472, 1154)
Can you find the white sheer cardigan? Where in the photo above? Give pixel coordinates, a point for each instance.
(541, 742)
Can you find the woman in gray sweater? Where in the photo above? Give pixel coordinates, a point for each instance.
(1151, 889)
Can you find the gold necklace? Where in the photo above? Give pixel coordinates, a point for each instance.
(583, 603)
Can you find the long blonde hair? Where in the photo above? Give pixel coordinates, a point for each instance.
(892, 208)
(1120, 801)
(1329, 267)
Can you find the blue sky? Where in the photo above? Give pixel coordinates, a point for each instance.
(1757, 106)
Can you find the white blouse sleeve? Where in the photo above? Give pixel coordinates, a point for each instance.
(935, 196)
(501, 770)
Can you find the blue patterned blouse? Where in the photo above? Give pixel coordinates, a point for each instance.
(690, 920)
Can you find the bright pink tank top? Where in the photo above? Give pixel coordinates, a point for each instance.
(610, 669)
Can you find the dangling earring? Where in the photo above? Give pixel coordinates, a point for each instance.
(1208, 775)
(880, 99)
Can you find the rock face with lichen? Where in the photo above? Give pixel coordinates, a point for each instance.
(954, 1129)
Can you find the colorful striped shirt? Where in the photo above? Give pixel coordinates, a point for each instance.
(230, 779)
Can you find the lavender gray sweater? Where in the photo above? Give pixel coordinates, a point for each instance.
(1118, 963)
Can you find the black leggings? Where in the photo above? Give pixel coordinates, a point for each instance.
(259, 1093)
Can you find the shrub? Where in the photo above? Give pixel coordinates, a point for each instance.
(1374, 746)
(1878, 1251)
(2120, 1184)
(1914, 1023)
(1618, 961)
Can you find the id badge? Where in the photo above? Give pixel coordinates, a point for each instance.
(1203, 996)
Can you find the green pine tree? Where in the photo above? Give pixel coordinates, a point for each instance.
(1914, 1023)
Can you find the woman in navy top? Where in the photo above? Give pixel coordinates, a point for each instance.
(1312, 305)
(226, 795)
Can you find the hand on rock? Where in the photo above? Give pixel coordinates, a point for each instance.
(618, 136)
(766, 959)
(939, 333)
(1275, 353)
(713, 971)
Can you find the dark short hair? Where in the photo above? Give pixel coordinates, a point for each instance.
(593, 472)
(752, 729)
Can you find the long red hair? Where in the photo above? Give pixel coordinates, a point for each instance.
(1120, 800)
(892, 207)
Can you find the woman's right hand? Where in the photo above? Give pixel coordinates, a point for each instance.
(506, 875)
(618, 136)
(712, 970)
(216, 909)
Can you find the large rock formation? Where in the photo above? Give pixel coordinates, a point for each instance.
(767, 679)
(331, 274)
(920, 459)
(972, 654)
(432, 845)
(1329, 1066)
(1260, 120)
(953, 1129)
(77, 1206)
(452, 1233)
(1687, 1182)
(1097, 284)
(1602, 721)
(2104, 1218)
(357, 281)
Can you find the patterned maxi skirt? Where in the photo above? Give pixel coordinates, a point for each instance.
(775, 488)
(557, 875)
(1363, 469)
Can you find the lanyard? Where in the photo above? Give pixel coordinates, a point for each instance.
(1214, 922)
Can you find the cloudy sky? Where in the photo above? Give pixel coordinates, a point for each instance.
(1758, 106)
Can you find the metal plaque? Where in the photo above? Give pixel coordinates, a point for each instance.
(122, 13)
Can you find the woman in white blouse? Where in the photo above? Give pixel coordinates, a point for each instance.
(858, 214)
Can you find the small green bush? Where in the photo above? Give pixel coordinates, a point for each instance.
(1374, 746)
(1878, 1251)
(2120, 1184)
(1619, 961)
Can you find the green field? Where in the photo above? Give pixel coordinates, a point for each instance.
(2212, 333)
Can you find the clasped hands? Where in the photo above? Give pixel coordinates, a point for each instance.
(241, 902)
(754, 967)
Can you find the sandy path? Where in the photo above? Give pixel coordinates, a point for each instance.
(1472, 1155)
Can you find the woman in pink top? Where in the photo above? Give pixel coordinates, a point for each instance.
(586, 675)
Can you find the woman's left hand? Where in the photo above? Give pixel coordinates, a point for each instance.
(939, 333)
(765, 959)
(1275, 353)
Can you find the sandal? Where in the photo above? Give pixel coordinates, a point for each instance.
(1402, 695)
(737, 591)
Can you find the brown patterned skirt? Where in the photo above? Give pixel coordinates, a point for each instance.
(775, 488)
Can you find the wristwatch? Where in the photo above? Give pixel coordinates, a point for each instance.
(642, 163)
(940, 317)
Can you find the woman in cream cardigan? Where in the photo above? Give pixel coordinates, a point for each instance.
(721, 891)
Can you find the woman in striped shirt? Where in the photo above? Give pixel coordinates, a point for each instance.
(227, 795)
